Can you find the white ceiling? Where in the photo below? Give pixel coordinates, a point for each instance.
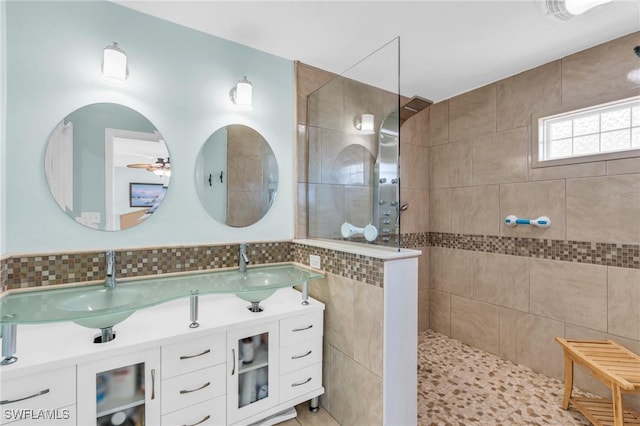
(447, 47)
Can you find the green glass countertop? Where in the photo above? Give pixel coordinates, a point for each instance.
(96, 302)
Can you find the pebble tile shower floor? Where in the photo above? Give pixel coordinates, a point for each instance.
(461, 385)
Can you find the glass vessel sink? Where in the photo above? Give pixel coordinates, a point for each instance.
(103, 301)
(97, 306)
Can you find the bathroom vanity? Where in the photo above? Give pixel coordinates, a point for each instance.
(236, 367)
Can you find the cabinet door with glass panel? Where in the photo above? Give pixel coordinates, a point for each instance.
(122, 390)
(252, 385)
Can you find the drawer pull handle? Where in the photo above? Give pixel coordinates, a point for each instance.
(233, 355)
(193, 390)
(195, 356)
(204, 419)
(302, 329)
(9, 401)
(153, 383)
(300, 356)
(293, 385)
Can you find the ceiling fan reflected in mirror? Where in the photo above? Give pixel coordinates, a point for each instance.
(162, 167)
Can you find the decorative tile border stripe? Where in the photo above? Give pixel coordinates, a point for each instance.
(39, 271)
(414, 240)
(607, 254)
(357, 267)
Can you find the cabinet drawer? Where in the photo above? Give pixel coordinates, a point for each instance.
(299, 355)
(183, 357)
(192, 388)
(48, 390)
(302, 327)
(300, 382)
(207, 413)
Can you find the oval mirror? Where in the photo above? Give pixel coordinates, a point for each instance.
(107, 166)
(236, 175)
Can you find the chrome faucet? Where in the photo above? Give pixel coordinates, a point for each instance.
(244, 258)
(110, 280)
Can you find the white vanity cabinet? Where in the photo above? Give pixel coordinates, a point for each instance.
(120, 389)
(252, 383)
(194, 381)
(236, 368)
(43, 398)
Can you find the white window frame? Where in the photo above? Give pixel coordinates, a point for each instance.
(537, 127)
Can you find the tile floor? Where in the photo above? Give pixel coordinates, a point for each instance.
(459, 385)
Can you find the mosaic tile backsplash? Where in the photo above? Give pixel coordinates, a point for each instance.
(44, 270)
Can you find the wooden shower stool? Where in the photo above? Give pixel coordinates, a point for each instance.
(614, 366)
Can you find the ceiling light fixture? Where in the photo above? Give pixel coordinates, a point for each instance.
(567, 9)
(242, 94)
(364, 124)
(114, 63)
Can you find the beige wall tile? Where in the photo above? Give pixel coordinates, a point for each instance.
(624, 302)
(423, 310)
(301, 211)
(357, 204)
(416, 217)
(360, 98)
(308, 79)
(423, 269)
(414, 166)
(440, 312)
(535, 345)
(302, 154)
(475, 323)
(600, 72)
(314, 153)
(450, 165)
(571, 171)
(339, 377)
(325, 400)
(531, 200)
(326, 210)
(473, 113)
(344, 161)
(337, 294)
(362, 396)
(368, 304)
(440, 210)
(623, 166)
(585, 381)
(571, 292)
(243, 208)
(536, 90)
(508, 334)
(500, 157)
(502, 280)
(451, 271)
(476, 210)
(604, 209)
(326, 106)
(439, 123)
(416, 129)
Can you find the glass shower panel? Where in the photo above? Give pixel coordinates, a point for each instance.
(352, 135)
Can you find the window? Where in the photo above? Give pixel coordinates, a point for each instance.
(600, 132)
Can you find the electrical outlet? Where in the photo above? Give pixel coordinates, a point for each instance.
(314, 261)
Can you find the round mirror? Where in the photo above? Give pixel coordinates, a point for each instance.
(236, 175)
(107, 166)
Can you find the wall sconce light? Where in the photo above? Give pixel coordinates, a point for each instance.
(114, 63)
(364, 124)
(634, 75)
(242, 93)
(567, 9)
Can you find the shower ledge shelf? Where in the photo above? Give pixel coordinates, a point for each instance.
(370, 250)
